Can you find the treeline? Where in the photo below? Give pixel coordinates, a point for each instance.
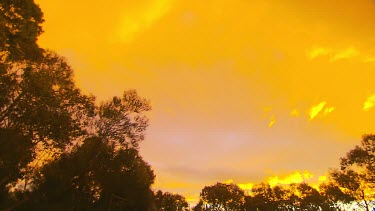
(351, 185)
(62, 150)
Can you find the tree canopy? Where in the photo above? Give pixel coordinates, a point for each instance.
(94, 161)
(222, 197)
(20, 26)
(170, 202)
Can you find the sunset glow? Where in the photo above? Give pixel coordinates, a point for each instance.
(241, 91)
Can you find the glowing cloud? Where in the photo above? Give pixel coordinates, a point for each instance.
(369, 103)
(243, 186)
(296, 177)
(317, 51)
(369, 59)
(246, 186)
(335, 54)
(135, 21)
(315, 110)
(229, 181)
(345, 54)
(272, 121)
(322, 178)
(329, 110)
(191, 199)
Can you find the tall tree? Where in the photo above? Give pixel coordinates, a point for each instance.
(223, 197)
(40, 103)
(357, 173)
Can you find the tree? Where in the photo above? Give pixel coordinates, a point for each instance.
(265, 198)
(223, 197)
(40, 106)
(199, 206)
(262, 198)
(170, 202)
(309, 197)
(334, 198)
(108, 172)
(355, 185)
(122, 121)
(41, 109)
(101, 178)
(20, 26)
(356, 176)
(40, 102)
(15, 153)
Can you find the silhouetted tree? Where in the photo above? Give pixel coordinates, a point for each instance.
(94, 176)
(356, 176)
(15, 153)
(334, 198)
(262, 198)
(170, 202)
(122, 121)
(41, 109)
(309, 198)
(199, 206)
(20, 26)
(265, 198)
(223, 197)
(41, 104)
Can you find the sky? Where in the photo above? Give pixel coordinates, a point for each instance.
(242, 91)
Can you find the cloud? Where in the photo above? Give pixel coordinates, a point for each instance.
(369, 103)
(336, 54)
(272, 121)
(295, 177)
(136, 21)
(369, 59)
(246, 186)
(320, 108)
(328, 110)
(317, 51)
(322, 178)
(315, 110)
(192, 199)
(345, 54)
(243, 186)
(229, 181)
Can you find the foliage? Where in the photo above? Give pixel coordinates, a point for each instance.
(223, 197)
(98, 166)
(334, 198)
(40, 103)
(263, 197)
(170, 202)
(122, 120)
(20, 26)
(101, 178)
(357, 172)
(41, 108)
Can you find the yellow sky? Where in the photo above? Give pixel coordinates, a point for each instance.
(241, 89)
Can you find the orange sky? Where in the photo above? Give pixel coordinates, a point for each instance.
(242, 90)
